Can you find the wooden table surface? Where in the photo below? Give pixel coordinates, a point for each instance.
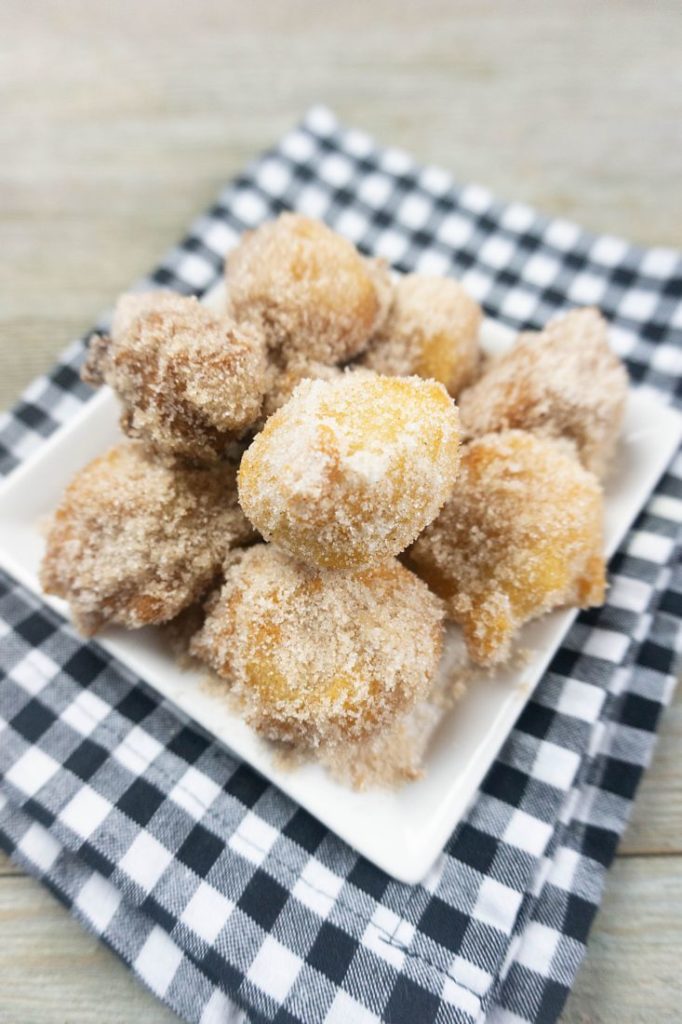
(119, 122)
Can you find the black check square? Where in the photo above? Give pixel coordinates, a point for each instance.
(35, 629)
(33, 720)
(410, 1003)
(444, 923)
(189, 745)
(369, 878)
(200, 850)
(84, 666)
(578, 918)
(141, 801)
(246, 785)
(506, 783)
(263, 899)
(474, 847)
(332, 952)
(305, 830)
(136, 705)
(86, 759)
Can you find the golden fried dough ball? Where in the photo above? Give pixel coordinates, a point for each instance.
(132, 305)
(315, 656)
(283, 382)
(308, 288)
(349, 471)
(189, 381)
(134, 542)
(564, 382)
(431, 330)
(521, 534)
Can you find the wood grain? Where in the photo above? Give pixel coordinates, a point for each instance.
(120, 122)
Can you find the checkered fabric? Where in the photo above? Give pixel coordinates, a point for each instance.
(225, 898)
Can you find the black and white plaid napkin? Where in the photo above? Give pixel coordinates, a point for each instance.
(225, 898)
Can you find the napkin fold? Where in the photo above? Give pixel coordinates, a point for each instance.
(227, 900)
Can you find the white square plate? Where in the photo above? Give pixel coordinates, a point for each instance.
(403, 831)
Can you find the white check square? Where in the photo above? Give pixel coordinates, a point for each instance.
(313, 201)
(527, 833)
(158, 961)
(414, 211)
(274, 969)
(608, 250)
(519, 304)
(137, 751)
(375, 189)
(581, 700)
(98, 900)
(555, 765)
(388, 936)
(254, 838)
(86, 712)
(538, 948)
(607, 644)
(346, 1010)
(34, 671)
(85, 812)
(586, 288)
(39, 846)
(145, 860)
(207, 912)
(497, 905)
(336, 169)
(249, 206)
(454, 230)
(317, 887)
(194, 792)
(32, 771)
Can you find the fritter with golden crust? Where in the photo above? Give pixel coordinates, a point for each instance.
(521, 534)
(316, 656)
(349, 471)
(134, 542)
(564, 382)
(308, 289)
(190, 382)
(431, 331)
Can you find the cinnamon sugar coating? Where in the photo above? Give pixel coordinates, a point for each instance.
(132, 305)
(308, 289)
(321, 657)
(522, 534)
(431, 331)
(349, 471)
(190, 382)
(563, 382)
(283, 382)
(134, 542)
